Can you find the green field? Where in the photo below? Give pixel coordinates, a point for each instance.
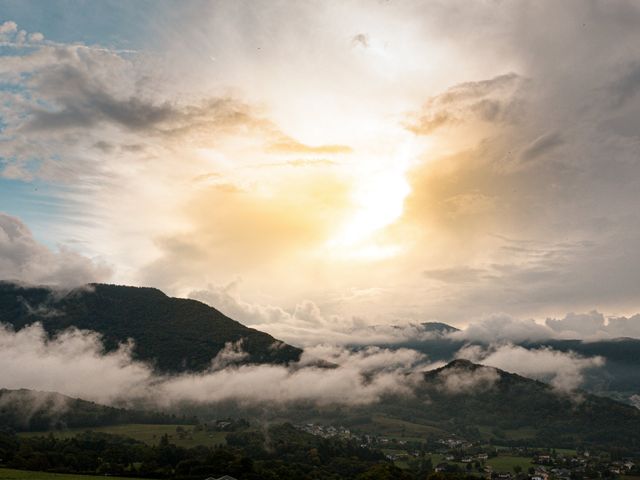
(505, 463)
(8, 474)
(525, 433)
(401, 429)
(149, 434)
(501, 463)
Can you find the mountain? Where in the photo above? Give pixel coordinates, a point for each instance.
(31, 410)
(618, 378)
(481, 403)
(175, 334)
(438, 328)
(473, 402)
(506, 406)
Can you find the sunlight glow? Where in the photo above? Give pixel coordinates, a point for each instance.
(379, 200)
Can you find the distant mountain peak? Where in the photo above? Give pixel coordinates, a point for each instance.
(438, 327)
(462, 363)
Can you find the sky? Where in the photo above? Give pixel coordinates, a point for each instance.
(314, 167)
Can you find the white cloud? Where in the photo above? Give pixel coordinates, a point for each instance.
(7, 28)
(580, 325)
(74, 363)
(503, 327)
(455, 380)
(563, 370)
(23, 259)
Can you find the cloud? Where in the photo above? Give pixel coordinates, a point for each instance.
(74, 363)
(582, 325)
(25, 404)
(307, 324)
(78, 100)
(23, 259)
(8, 27)
(360, 40)
(226, 299)
(255, 229)
(231, 354)
(492, 100)
(503, 327)
(627, 85)
(454, 274)
(455, 380)
(538, 238)
(541, 145)
(624, 326)
(563, 370)
(288, 145)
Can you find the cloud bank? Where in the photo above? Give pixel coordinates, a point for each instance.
(74, 363)
(564, 371)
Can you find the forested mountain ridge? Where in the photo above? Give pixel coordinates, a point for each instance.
(174, 334)
(471, 394)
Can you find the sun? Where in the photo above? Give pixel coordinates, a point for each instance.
(378, 198)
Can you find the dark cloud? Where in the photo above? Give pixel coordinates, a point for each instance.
(82, 101)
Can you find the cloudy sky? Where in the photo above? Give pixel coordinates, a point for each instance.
(320, 166)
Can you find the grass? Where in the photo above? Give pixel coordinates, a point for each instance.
(567, 451)
(9, 474)
(525, 433)
(505, 463)
(401, 429)
(149, 434)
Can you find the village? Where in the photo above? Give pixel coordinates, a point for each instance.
(458, 456)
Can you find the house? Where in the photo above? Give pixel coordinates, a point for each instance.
(441, 467)
(224, 477)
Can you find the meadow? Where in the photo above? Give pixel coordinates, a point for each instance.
(10, 474)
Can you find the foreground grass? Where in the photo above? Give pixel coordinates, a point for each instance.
(9, 474)
(149, 434)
